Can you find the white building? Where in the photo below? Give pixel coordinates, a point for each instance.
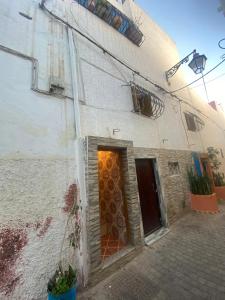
(71, 136)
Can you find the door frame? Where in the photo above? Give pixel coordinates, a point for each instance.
(162, 206)
(93, 144)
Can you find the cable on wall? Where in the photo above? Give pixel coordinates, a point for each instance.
(130, 68)
(184, 87)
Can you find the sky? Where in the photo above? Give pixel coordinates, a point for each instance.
(194, 24)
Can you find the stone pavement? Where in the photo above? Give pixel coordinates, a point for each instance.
(188, 263)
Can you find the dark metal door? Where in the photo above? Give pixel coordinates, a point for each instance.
(148, 195)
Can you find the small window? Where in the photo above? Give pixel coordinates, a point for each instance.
(174, 168)
(194, 123)
(190, 122)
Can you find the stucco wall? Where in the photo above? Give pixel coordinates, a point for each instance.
(107, 102)
(38, 166)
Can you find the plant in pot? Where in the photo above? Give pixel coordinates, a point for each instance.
(218, 177)
(62, 286)
(202, 197)
(91, 5)
(102, 9)
(134, 34)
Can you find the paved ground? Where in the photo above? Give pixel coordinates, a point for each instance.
(188, 263)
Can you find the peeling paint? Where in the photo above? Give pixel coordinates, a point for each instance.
(70, 198)
(12, 242)
(44, 227)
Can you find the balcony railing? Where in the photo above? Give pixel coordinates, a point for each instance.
(115, 18)
(146, 103)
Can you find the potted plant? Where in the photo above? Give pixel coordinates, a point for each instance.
(102, 9)
(202, 197)
(91, 5)
(134, 34)
(218, 177)
(62, 286)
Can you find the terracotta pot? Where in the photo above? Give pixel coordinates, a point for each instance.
(220, 192)
(134, 35)
(91, 5)
(204, 203)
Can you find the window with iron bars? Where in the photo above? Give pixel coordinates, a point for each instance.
(146, 103)
(194, 123)
(174, 168)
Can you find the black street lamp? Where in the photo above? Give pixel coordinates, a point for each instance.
(197, 64)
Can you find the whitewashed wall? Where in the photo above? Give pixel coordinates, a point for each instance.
(38, 164)
(107, 100)
(38, 161)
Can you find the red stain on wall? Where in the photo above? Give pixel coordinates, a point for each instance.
(12, 241)
(44, 227)
(70, 198)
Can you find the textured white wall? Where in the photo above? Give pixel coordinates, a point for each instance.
(107, 100)
(37, 154)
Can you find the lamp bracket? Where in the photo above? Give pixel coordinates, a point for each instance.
(174, 69)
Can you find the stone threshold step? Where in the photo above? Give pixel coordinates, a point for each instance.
(155, 236)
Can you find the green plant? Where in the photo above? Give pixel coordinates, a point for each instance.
(102, 7)
(213, 157)
(62, 281)
(218, 177)
(199, 185)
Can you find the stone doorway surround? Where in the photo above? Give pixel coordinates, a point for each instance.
(174, 197)
(97, 268)
(174, 189)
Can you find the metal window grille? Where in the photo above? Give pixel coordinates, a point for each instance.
(174, 168)
(146, 103)
(194, 123)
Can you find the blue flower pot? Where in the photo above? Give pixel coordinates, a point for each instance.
(70, 295)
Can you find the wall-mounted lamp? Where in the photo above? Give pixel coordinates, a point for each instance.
(197, 64)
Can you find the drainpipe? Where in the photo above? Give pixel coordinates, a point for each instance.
(74, 77)
(79, 145)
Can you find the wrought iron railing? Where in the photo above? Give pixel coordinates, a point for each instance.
(115, 18)
(146, 103)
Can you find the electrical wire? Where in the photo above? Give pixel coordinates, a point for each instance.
(219, 76)
(122, 62)
(104, 49)
(219, 44)
(179, 99)
(184, 87)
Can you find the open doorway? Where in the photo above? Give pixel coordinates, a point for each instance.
(113, 208)
(148, 194)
